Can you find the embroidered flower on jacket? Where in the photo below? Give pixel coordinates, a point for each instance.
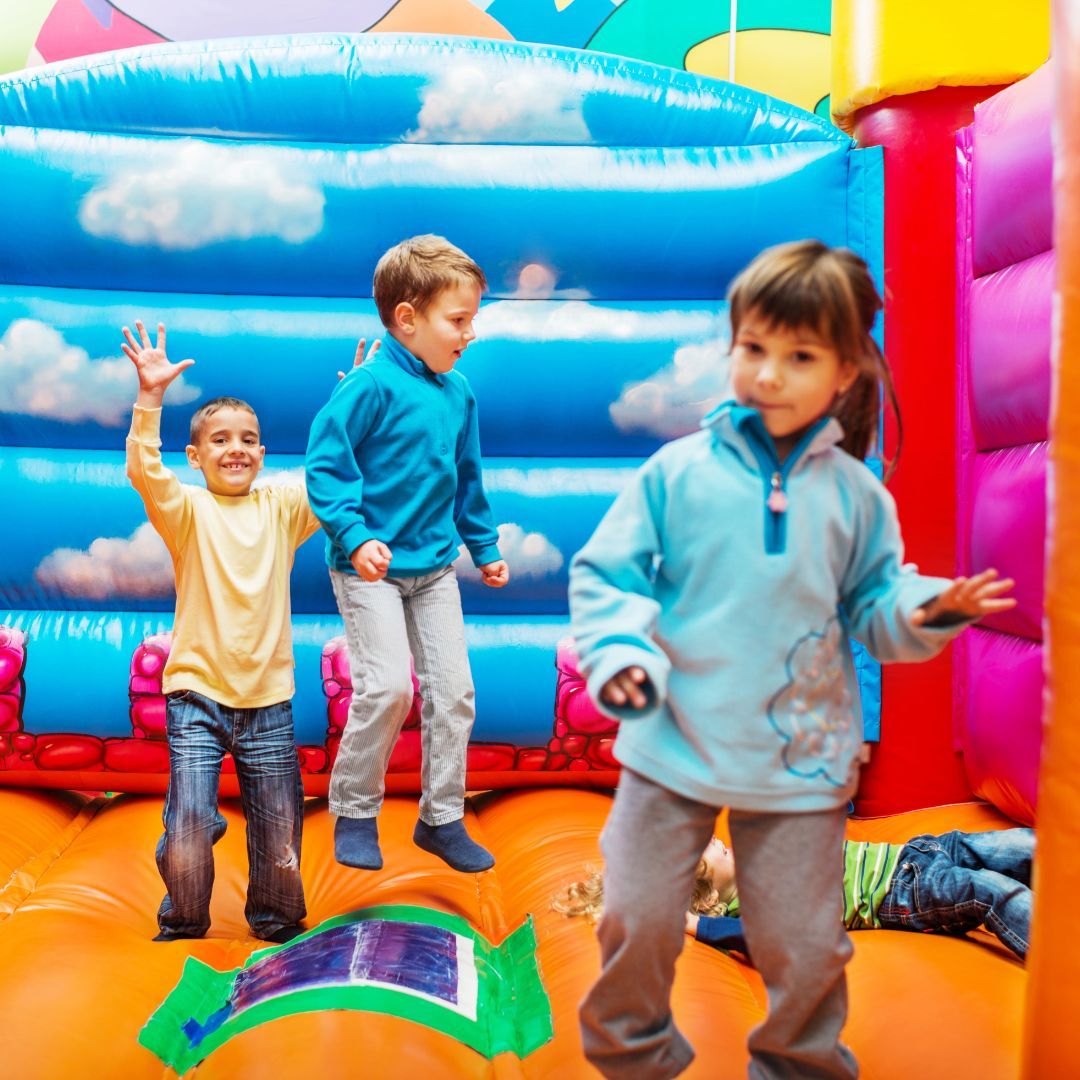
(813, 712)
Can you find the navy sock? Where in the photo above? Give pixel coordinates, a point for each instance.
(356, 843)
(454, 846)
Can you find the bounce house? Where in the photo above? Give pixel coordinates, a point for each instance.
(241, 191)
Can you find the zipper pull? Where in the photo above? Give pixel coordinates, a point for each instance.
(777, 500)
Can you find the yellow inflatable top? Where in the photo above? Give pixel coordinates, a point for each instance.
(881, 48)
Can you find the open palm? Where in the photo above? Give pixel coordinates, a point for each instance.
(152, 363)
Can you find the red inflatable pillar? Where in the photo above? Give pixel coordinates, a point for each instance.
(894, 85)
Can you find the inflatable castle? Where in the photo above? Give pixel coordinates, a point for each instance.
(240, 191)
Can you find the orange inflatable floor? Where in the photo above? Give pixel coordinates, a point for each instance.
(79, 974)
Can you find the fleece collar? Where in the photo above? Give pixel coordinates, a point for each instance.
(392, 349)
(742, 428)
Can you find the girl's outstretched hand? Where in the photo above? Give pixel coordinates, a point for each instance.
(691, 923)
(967, 598)
(629, 687)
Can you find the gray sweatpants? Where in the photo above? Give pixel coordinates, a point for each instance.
(789, 869)
(385, 621)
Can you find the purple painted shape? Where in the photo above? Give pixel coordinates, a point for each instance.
(1012, 203)
(102, 10)
(1008, 530)
(1010, 335)
(405, 955)
(1003, 728)
(253, 18)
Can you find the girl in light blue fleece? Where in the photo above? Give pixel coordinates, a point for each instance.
(712, 609)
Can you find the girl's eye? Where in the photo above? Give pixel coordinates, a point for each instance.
(751, 347)
(804, 357)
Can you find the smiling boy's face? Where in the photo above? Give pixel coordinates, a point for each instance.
(228, 452)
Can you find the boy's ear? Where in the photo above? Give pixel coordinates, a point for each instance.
(192, 456)
(405, 317)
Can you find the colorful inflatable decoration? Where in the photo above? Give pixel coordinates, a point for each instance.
(781, 49)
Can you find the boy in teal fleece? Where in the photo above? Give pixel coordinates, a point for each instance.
(394, 475)
(712, 609)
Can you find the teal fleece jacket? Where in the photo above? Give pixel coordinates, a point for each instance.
(394, 455)
(738, 607)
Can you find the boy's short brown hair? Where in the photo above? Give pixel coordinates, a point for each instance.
(204, 412)
(417, 270)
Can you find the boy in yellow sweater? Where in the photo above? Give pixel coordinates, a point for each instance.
(229, 678)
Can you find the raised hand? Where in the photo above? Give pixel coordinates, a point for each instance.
(155, 370)
(967, 598)
(359, 358)
(371, 560)
(628, 687)
(495, 574)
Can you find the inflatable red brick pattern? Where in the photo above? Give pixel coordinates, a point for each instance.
(583, 735)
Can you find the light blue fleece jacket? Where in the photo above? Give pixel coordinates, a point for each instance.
(740, 614)
(394, 455)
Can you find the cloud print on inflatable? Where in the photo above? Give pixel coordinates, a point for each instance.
(814, 713)
(42, 374)
(203, 194)
(134, 566)
(673, 401)
(484, 102)
(530, 554)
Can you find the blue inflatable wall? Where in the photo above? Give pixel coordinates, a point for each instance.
(241, 192)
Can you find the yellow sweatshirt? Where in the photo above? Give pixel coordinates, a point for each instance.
(232, 636)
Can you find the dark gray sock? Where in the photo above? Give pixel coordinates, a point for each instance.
(454, 846)
(285, 933)
(356, 843)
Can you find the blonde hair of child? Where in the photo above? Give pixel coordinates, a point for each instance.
(586, 897)
(417, 270)
(808, 285)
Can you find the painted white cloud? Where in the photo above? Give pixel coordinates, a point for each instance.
(530, 554)
(135, 566)
(673, 401)
(42, 374)
(271, 477)
(205, 194)
(484, 102)
(574, 320)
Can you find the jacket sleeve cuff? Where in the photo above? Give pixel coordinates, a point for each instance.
(721, 932)
(481, 556)
(353, 537)
(610, 660)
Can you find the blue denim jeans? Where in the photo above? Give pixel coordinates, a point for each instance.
(959, 881)
(263, 746)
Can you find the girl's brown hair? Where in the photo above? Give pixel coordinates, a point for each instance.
(829, 291)
(586, 897)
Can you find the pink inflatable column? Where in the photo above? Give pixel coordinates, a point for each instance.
(1005, 263)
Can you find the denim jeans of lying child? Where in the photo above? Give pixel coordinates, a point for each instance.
(959, 881)
(263, 746)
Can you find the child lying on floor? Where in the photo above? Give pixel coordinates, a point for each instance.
(948, 884)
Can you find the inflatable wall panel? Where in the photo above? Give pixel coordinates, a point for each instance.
(241, 192)
(1006, 272)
